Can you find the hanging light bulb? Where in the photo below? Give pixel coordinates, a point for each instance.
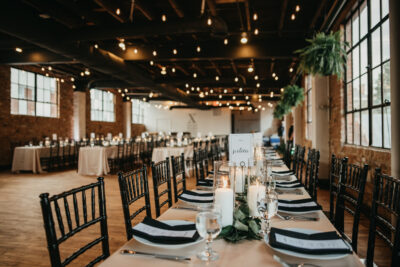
(237, 103)
(209, 21)
(240, 89)
(226, 41)
(211, 91)
(175, 51)
(164, 18)
(163, 70)
(82, 73)
(151, 62)
(293, 17)
(96, 46)
(228, 104)
(72, 79)
(198, 49)
(271, 94)
(173, 70)
(43, 69)
(282, 89)
(273, 74)
(217, 78)
(154, 53)
(87, 72)
(198, 89)
(243, 38)
(225, 91)
(135, 51)
(236, 79)
(118, 11)
(233, 97)
(187, 85)
(290, 69)
(276, 78)
(247, 97)
(250, 68)
(297, 8)
(220, 104)
(206, 93)
(220, 96)
(18, 49)
(195, 75)
(192, 88)
(122, 44)
(49, 68)
(151, 95)
(187, 92)
(73, 86)
(255, 16)
(258, 85)
(256, 77)
(256, 31)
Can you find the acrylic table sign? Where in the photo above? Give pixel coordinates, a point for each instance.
(240, 149)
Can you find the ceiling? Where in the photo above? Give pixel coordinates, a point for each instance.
(187, 51)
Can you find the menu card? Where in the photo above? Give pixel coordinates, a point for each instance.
(241, 149)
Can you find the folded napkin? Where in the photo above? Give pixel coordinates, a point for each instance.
(319, 243)
(283, 172)
(162, 233)
(196, 197)
(291, 184)
(205, 182)
(299, 205)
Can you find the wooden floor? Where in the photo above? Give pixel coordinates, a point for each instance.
(22, 237)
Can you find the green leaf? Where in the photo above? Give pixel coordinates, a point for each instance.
(254, 226)
(240, 226)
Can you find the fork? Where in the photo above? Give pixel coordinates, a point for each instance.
(286, 264)
(288, 217)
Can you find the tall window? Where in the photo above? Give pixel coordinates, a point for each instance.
(367, 91)
(33, 94)
(308, 107)
(137, 111)
(101, 105)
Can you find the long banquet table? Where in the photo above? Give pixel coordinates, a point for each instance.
(244, 253)
(161, 153)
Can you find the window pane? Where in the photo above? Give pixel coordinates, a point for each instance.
(386, 81)
(385, 41)
(356, 94)
(349, 97)
(387, 127)
(385, 8)
(14, 106)
(376, 86)
(54, 111)
(364, 91)
(39, 109)
(356, 62)
(364, 56)
(363, 19)
(349, 68)
(22, 79)
(377, 129)
(23, 107)
(364, 128)
(355, 35)
(30, 93)
(356, 128)
(46, 96)
(14, 75)
(348, 33)
(376, 47)
(39, 81)
(375, 12)
(46, 83)
(14, 90)
(31, 108)
(31, 79)
(40, 95)
(349, 129)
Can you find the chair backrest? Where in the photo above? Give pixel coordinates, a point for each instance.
(298, 161)
(350, 198)
(385, 216)
(161, 176)
(134, 188)
(308, 169)
(178, 175)
(81, 217)
(198, 165)
(338, 166)
(311, 173)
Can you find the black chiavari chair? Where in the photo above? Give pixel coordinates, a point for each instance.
(338, 166)
(82, 217)
(178, 175)
(134, 189)
(310, 181)
(298, 161)
(161, 178)
(349, 198)
(385, 217)
(287, 157)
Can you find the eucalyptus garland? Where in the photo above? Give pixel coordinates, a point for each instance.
(244, 226)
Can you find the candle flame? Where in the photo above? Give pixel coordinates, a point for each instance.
(225, 182)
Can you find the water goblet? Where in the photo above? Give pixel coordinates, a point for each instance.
(268, 205)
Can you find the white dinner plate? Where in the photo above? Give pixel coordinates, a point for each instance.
(197, 204)
(288, 178)
(304, 255)
(172, 246)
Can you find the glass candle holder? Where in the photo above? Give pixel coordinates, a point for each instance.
(256, 186)
(224, 188)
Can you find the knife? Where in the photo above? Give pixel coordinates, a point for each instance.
(185, 208)
(159, 256)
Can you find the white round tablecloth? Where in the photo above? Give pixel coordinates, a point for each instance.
(94, 160)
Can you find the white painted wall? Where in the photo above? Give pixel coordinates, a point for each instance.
(268, 125)
(217, 121)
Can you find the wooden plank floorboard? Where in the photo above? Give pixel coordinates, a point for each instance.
(22, 237)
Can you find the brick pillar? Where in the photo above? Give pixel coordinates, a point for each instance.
(127, 115)
(79, 119)
(320, 122)
(394, 13)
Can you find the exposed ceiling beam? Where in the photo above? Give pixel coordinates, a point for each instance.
(317, 14)
(198, 69)
(215, 67)
(176, 8)
(212, 7)
(12, 22)
(111, 9)
(282, 18)
(33, 56)
(129, 30)
(247, 9)
(183, 70)
(234, 67)
(81, 10)
(145, 10)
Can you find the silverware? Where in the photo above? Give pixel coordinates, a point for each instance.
(286, 264)
(297, 217)
(154, 255)
(185, 208)
(289, 192)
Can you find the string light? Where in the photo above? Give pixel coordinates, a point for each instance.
(173, 70)
(163, 70)
(175, 51)
(164, 17)
(154, 53)
(255, 31)
(236, 79)
(256, 77)
(297, 8)
(135, 51)
(122, 44)
(217, 78)
(293, 17)
(18, 49)
(240, 89)
(198, 49)
(244, 39)
(96, 46)
(209, 21)
(255, 16)
(118, 11)
(226, 41)
(151, 62)
(195, 75)
(291, 69)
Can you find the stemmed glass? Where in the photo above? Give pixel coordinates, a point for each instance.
(268, 208)
(208, 225)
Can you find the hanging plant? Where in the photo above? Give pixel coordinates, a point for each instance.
(325, 55)
(291, 97)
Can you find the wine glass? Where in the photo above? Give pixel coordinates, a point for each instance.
(208, 225)
(268, 207)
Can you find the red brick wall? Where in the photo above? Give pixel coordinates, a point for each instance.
(137, 129)
(19, 128)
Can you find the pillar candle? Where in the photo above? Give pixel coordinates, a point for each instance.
(224, 198)
(254, 193)
(239, 182)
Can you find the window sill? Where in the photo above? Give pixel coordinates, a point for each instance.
(377, 149)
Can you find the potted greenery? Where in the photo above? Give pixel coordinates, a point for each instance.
(291, 97)
(325, 55)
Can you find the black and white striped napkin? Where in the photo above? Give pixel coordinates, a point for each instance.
(208, 182)
(288, 185)
(196, 197)
(162, 233)
(316, 244)
(300, 205)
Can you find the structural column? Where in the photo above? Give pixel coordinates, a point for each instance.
(298, 124)
(79, 115)
(320, 122)
(127, 115)
(394, 17)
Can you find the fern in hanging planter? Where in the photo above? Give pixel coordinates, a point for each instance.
(325, 55)
(291, 97)
(281, 109)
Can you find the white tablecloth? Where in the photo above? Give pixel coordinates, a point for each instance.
(27, 158)
(94, 160)
(161, 153)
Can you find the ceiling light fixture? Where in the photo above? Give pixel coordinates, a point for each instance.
(164, 17)
(195, 75)
(243, 38)
(297, 8)
(293, 17)
(198, 49)
(256, 31)
(255, 16)
(118, 11)
(175, 51)
(226, 41)
(151, 62)
(154, 53)
(209, 21)
(173, 70)
(236, 79)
